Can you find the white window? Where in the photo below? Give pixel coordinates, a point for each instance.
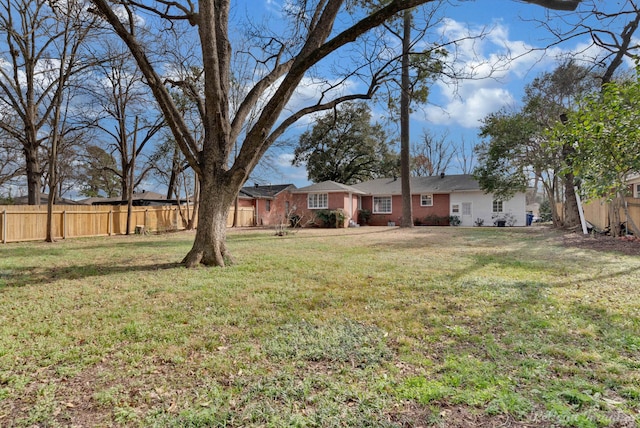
(382, 204)
(426, 200)
(318, 201)
(497, 206)
(636, 190)
(267, 206)
(455, 209)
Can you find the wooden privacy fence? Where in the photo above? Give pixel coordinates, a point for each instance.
(29, 223)
(597, 212)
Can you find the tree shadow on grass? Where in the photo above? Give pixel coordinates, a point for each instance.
(59, 248)
(312, 233)
(42, 275)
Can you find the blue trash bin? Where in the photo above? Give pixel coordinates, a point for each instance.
(529, 219)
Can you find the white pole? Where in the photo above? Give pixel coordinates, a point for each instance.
(581, 212)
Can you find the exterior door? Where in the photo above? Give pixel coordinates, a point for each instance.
(467, 214)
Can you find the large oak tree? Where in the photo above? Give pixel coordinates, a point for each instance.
(287, 59)
(345, 147)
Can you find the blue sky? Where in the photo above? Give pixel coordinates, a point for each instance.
(457, 109)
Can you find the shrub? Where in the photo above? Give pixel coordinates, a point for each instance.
(331, 218)
(504, 219)
(295, 220)
(435, 220)
(545, 211)
(364, 216)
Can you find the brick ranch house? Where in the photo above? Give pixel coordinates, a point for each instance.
(271, 203)
(328, 195)
(433, 198)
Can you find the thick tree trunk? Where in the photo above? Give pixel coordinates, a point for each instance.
(551, 196)
(614, 217)
(34, 174)
(209, 247)
(405, 101)
(571, 213)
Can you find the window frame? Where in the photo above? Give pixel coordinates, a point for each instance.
(497, 206)
(422, 200)
(376, 211)
(466, 209)
(315, 198)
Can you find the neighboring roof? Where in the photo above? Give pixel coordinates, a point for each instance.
(329, 187)
(138, 202)
(633, 178)
(421, 185)
(263, 192)
(143, 198)
(136, 196)
(44, 200)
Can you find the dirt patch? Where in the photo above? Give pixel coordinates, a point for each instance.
(625, 245)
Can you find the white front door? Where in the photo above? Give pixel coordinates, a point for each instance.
(467, 214)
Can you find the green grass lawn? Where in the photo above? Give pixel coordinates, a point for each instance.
(366, 327)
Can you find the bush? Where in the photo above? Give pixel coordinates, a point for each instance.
(454, 220)
(545, 211)
(295, 220)
(331, 218)
(364, 216)
(435, 220)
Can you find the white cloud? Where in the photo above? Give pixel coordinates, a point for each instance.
(498, 67)
(284, 159)
(468, 111)
(290, 173)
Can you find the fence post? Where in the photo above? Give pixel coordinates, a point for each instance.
(110, 221)
(64, 224)
(4, 226)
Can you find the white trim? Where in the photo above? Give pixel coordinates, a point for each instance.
(376, 211)
(317, 202)
(430, 195)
